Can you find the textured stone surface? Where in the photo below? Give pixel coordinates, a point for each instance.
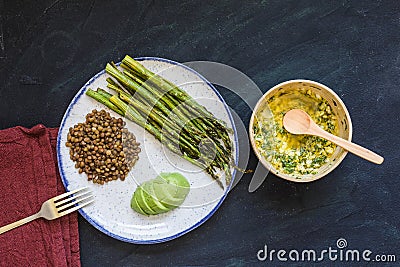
(49, 49)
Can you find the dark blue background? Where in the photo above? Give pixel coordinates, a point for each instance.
(49, 49)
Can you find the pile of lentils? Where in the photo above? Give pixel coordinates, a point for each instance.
(102, 148)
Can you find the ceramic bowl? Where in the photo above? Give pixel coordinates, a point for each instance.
(344, 123)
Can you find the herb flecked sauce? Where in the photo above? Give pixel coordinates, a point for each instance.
(288, 153)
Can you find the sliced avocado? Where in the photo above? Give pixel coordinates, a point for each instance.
(175, 178)
(135, 206)
(182, 192)
(178, 186)
(165, 197)
(171, 188)
(153, 202)
(142, 201)
(167, 191)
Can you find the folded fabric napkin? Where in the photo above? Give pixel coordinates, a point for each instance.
(28, 177)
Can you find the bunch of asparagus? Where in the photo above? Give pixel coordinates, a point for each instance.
(170, 114)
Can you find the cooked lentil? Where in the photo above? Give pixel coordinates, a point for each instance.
(102, 148)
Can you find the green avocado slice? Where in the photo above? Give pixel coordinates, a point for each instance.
(161, 182)
(178, 185)
(167, 191)
(163, 189)
(142, 198)
(165, 197)
(152, 201)
(135, 206)
(175, 178)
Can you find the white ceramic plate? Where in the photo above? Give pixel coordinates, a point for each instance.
(111, 212)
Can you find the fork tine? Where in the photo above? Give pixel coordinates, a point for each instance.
(73, 202)
(68, 193)
(70, 198)
(75, 208)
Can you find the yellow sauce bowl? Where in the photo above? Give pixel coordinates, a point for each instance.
(345, 128)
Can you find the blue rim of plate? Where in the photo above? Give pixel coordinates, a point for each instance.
(194, 226)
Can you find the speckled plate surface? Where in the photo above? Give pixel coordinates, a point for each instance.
(111, 212)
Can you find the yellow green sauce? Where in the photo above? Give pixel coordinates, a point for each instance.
(288, 153)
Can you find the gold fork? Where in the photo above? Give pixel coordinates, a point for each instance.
(56, 207)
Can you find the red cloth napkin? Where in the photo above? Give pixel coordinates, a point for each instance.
(28, 177)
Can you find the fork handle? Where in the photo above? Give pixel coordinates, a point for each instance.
(13, 225)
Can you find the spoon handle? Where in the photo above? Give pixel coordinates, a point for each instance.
(349, 146)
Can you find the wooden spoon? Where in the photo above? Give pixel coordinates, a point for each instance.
(296, 121)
